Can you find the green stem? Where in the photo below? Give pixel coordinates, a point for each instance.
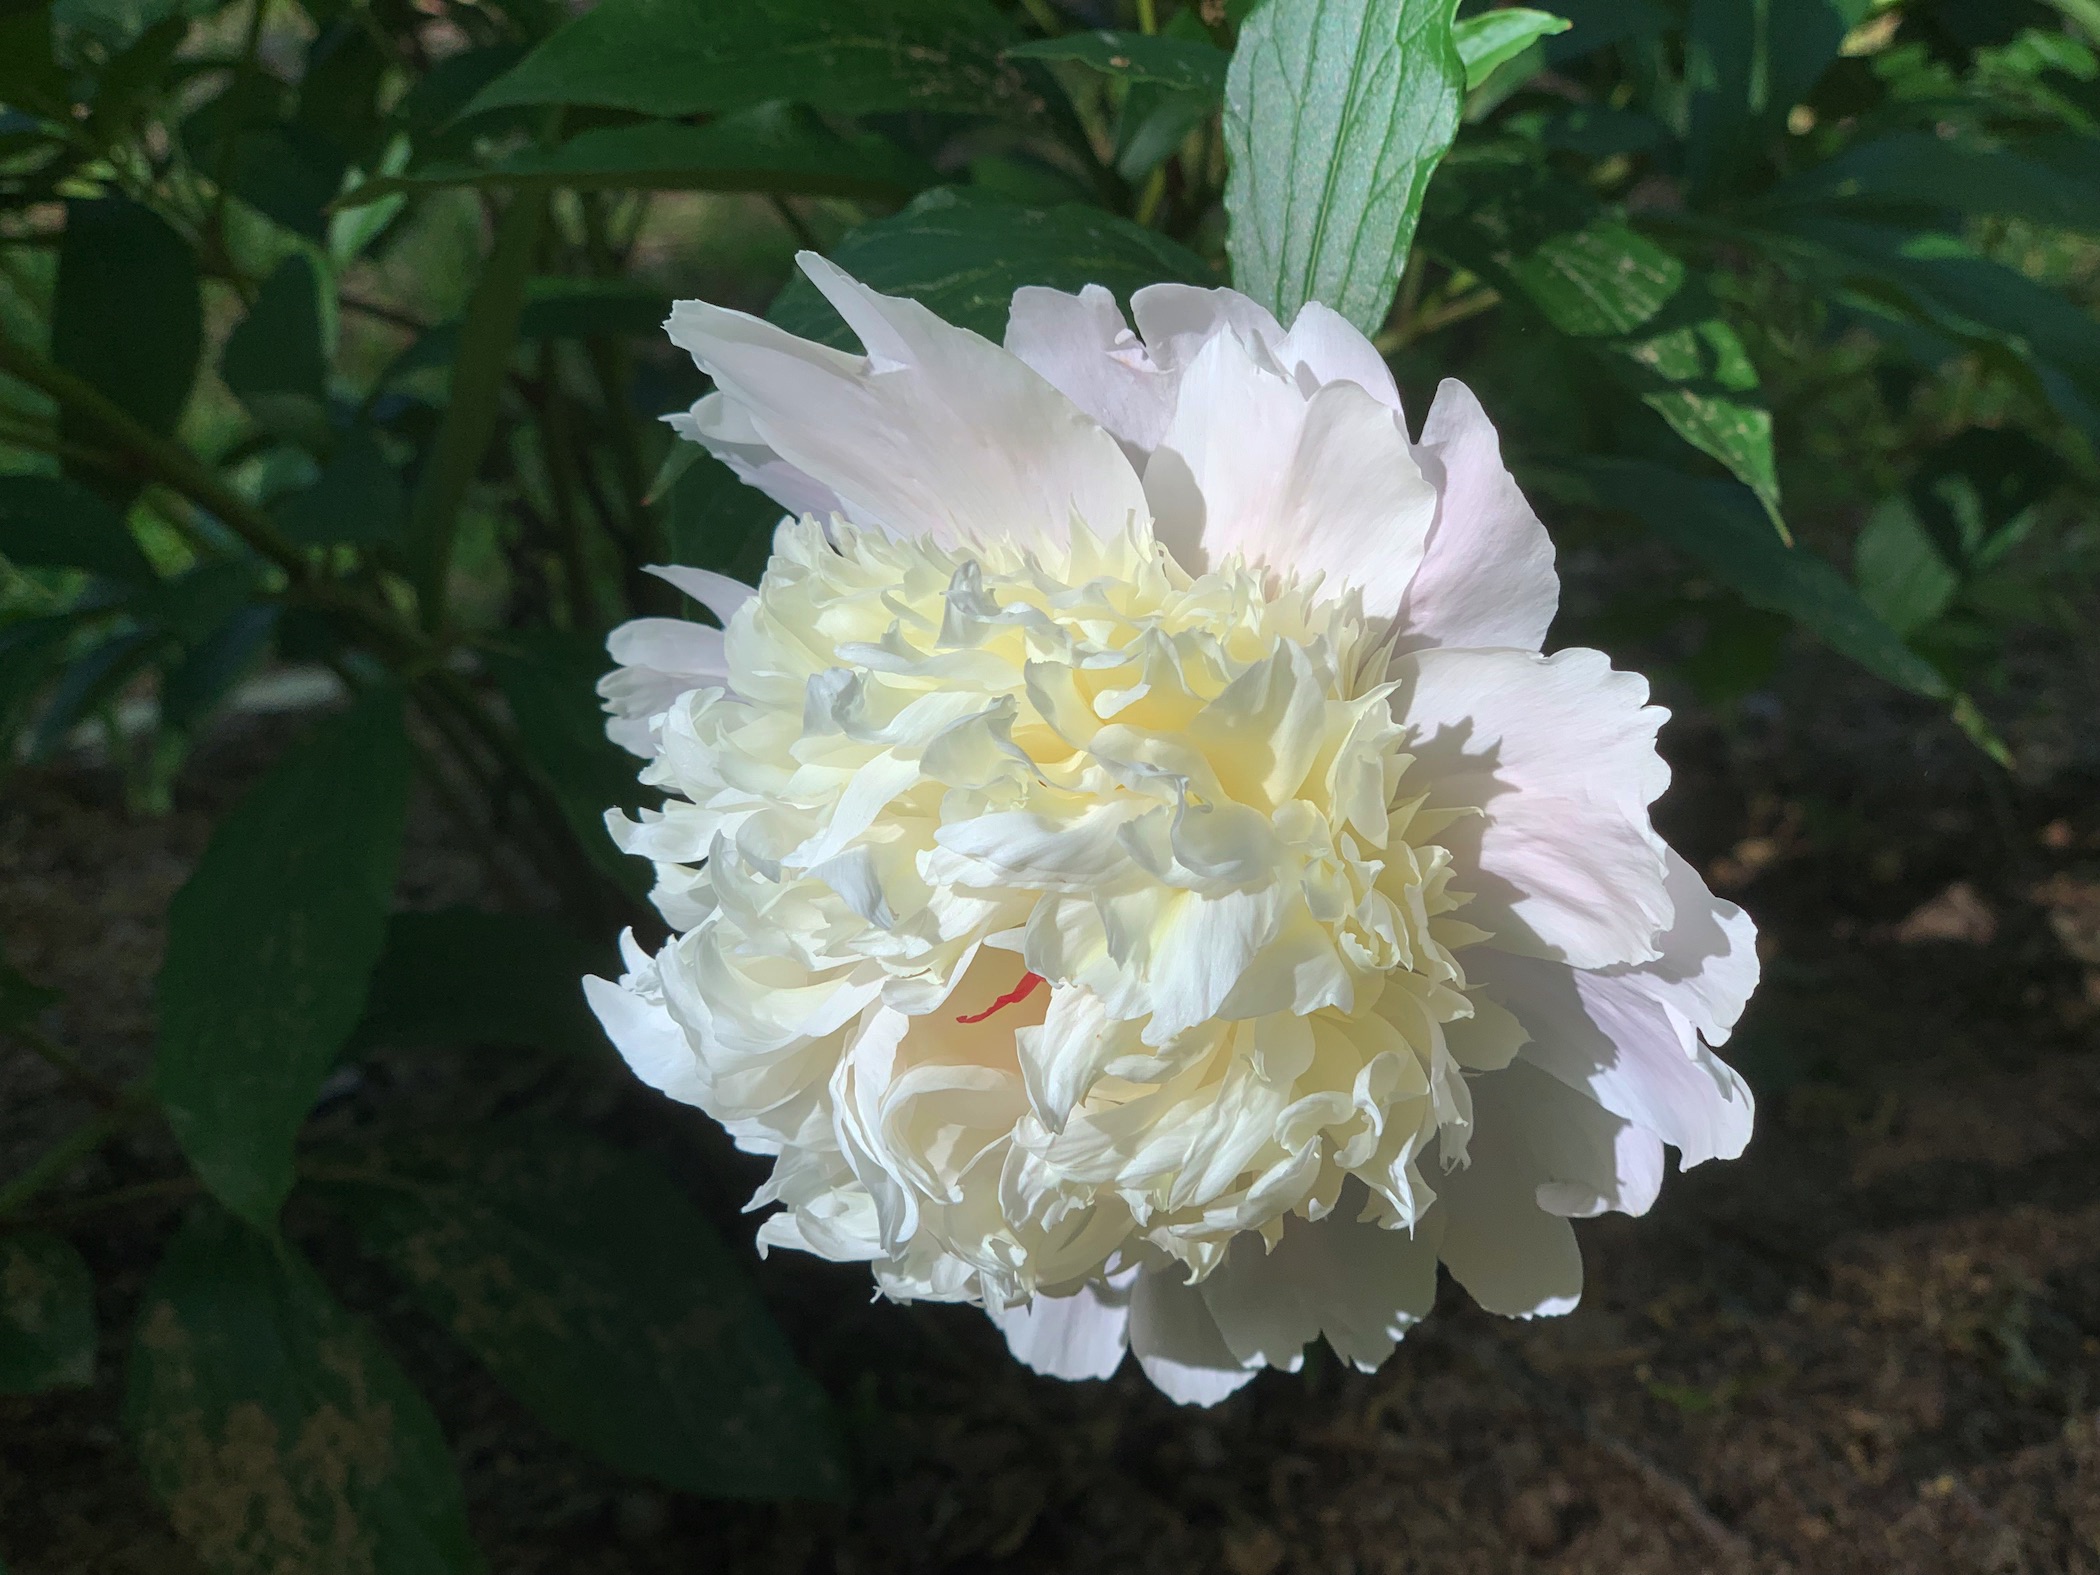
(478, 375)
(84, 1141)
(115, 1198)
(68, 1066)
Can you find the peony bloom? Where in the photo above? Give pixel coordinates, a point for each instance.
(1132, 865)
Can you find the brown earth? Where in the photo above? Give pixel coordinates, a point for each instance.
(1873, 1344)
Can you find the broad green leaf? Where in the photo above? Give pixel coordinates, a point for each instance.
(848, 57)
(273, 1425)
(715, 521)
(1154, 122)
(90, 682)
(1719, 525)
(550, 681)
(1918, 170)
(49, 522)
(1748, 62)
(47, 1314)
(270, 944)
(126, 315)
(1184, 64)
(30, 75)
(584, 1280)
(1494, 38)
(274, 359)
(357, 499)
(289, 173)
(1595, 278)
(775, 147)
(1336, 114)
(965, 256)
(1599, 24)
(465, 978)
(1901, 574)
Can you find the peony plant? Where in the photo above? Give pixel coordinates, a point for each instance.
(1134, 865)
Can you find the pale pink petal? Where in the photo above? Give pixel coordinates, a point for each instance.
(725, 430)
(1558, 755)
(1511, 1256)
(1178, 320)
(934, 432)
(1607, 1036)
(1078, 1336)
(1250, 467)
(1086, 351)
(1177, 1342)
(1708, 965)
(1325, 347)
(718, 593)
(1360, 1285)
(1487, 577)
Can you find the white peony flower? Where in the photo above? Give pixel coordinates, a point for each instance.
(1132, 865)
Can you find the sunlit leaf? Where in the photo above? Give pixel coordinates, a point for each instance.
(275, 1428)
(270, 944)
(584, 1280)
(1494, 38)
(1336, 114)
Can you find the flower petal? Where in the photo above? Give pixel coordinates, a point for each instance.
(1487, 575)
(1360, 1285)
(1325, 485)
(718, 593)
(1086, 351)
(1511, 1256)
(1082, 1335)
(1177, 1341)
(725, 430)
(934, 432)
(1558, 756)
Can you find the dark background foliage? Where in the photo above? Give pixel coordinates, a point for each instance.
(329, 369)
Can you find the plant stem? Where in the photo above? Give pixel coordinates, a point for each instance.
(115, 1198)
(84, 1141)
(68, 1066)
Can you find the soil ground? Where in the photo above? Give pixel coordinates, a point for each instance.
(1873, 1344)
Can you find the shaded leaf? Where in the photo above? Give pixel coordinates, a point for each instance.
(191, 689)
(584, 1280)
(849, 57)
(90, 682)
(550, 681)
(965, 256)
(772, 148)
(270, 944)
(717, 522)
(47, 1314)
(1494, 38)
(1900, 572)
(274, 1427)
(1918, 170)
(1747, 64)
(21, 999)
(465, 978)
(126, 315)
(555, 308)
(1184, 64)
(358, 498)
(289, 173)
(274, 359)
(51, 523)
(1719, 525)
(1336, 114)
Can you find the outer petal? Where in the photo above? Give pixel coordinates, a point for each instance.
(1558, 756)
(1487, 577)
(1083, 347)
(634, 1018)
(1708, 965)
(726, 430)
(1509, 1254)
(1082, 1335)
(718, 593)
(1360, 1285)
(1607, 1035)
(1177, 1340)
(1326, 485)
(1178, 320)
(935, 431)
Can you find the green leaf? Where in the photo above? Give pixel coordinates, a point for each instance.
(1719, 524)
(273, 1425)
(1918, 170)
(357, 500)
(1184, 64)
(717, 522)
(550, 680)
(555, 308)
(847, 57)
(1748, 62)
(29, 653)
(47, 1314)
(92, 681)
(580, 1275)
(464, 978)
(289, 173)
(22, 1000)
(1900, 572)
(126, 315)
(274, 360)
(191, 689)
(965, 256)
(1494, 38)
(1336, 114)
(775, 147)
(270, 944)
(48, 522)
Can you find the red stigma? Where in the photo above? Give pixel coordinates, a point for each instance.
(1013, 997)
